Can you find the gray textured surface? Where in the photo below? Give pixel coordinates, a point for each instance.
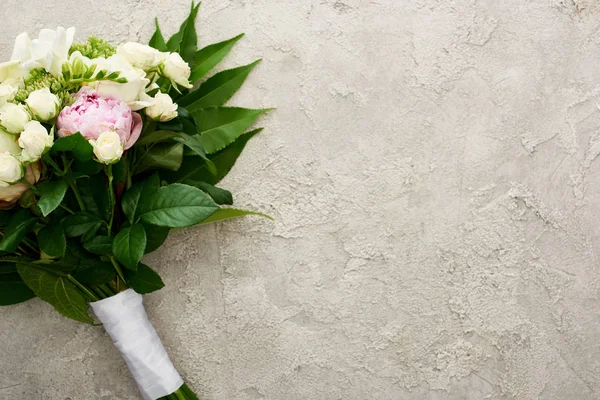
(432, 171)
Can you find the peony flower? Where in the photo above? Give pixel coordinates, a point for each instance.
(108, 148)
(11, 169)
(140, 55)
(129, 92)
(92, 114)
(43, 105)
(11, 193)
(34, 141)
(49, 51)
(162, 108)
(13, 117)
(177, 70)
(7, 93)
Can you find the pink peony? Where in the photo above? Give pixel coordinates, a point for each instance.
(93, 114)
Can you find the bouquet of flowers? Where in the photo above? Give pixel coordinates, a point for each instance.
(103, 151)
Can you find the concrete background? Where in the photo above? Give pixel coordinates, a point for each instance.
(432, 171)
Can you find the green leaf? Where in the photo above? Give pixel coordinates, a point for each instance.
(129, 245)
(13, 290)
(75, 143)
(194, 143)
(217, 89)
(158, 41)
(161, 156)
(95, 195)
(156, 137)
(189, 40)
(132, 197)
(221, 126)
(19, 225)
(95, 274)
(192, 171)
(51, 195)
(99, 245)
(144, 280)
(80, 223)
(155, 237)
(229, 213)
(208, 57)
(176, 206)
(220, 196)
(52, 240)
(182, 38)
(5, 217)
(56, 290)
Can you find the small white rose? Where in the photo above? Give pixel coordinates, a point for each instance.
(140, 55)
(34, 141)
(8, 142)
(108, 147)
(43, 104)
(177, 70)
(11, 169)
(162, 109)
(7, 93)
(13, 117)
(128, 92)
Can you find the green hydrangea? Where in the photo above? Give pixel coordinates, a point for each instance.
(94, 48)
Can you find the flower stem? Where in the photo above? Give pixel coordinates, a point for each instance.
(117, 268)
(85, 290)
(77, 195)
(111, 189)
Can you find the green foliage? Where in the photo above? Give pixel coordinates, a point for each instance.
(158, 41)
(76, 144)
(52, 240)
(55, 289)
(217, 89)
(129, 245)
(155, 237)
(52, 194)
(95, 273)
(229, 213)
(221, 126)
(81, 223)
(208, 57)
(19, 225)
(176, 206)
(99, 245)
(220, 196)
(161, 156)
(144, 280)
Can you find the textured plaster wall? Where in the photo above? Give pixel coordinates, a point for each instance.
(432, 171)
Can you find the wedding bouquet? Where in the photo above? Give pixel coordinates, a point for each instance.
(103, 151)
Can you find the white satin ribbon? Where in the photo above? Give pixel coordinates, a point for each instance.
(126, 321)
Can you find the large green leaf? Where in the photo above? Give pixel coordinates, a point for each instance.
(80, 224)
(229, 213)
(176, 206)
(129, 245)
(77, 144)
(161, 156)
(208, 57)
(193, 171)
(156, 137)
(158, 41)
(19, 225)
(185, 40)
(131, 198)
(144, 280)
(13, 290)
(221, 126)
(56, 290)
(51, 195)
(52, 240)
(194, 143)
(217, 89)
(220, 196)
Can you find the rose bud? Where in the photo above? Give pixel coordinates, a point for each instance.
(13, 117)
(34, 141)
(108, 148)
(162, 109)
(177, 70)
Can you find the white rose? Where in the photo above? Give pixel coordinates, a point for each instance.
(140, 55)
(108, 148)
(128, 92)
(7, 93)
(43, 105)
(34, 141)
(49, 51)
(8, 142)
(162, 108)
(13, 117)
(11, 169)
(177, 70)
